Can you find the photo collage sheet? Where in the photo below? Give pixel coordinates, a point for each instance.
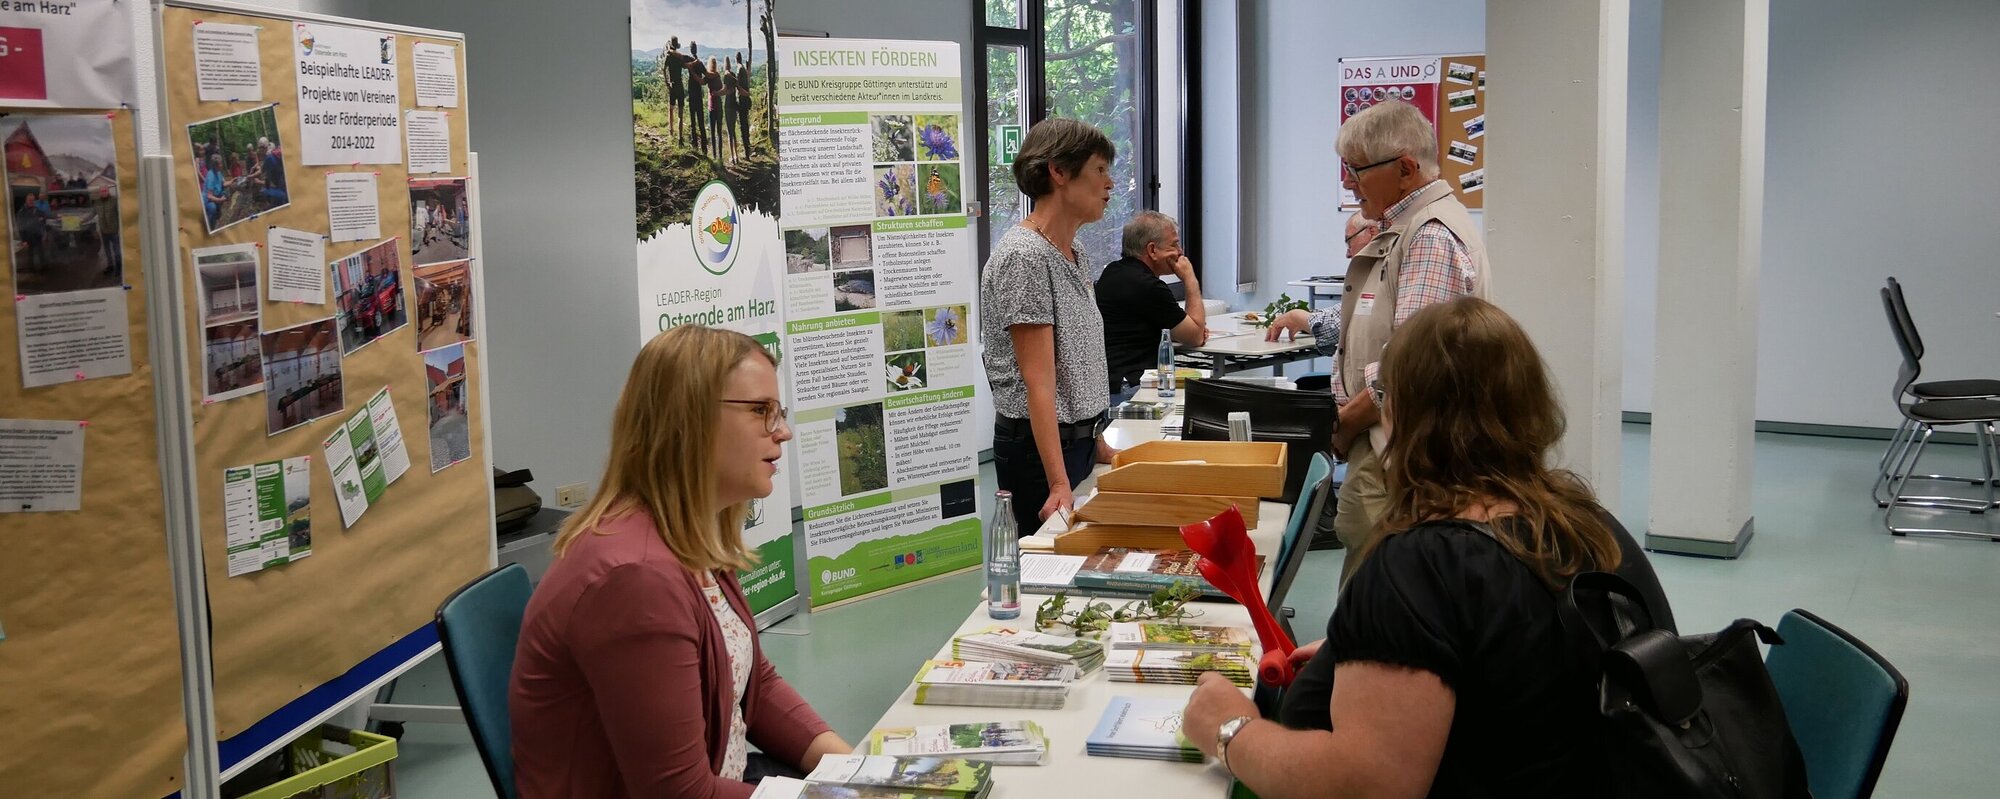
(1449, 90)
(271, 250)
(879, 288)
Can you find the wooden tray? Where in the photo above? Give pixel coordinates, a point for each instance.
(1228, 469)
(1087, 538)
(1122, 507)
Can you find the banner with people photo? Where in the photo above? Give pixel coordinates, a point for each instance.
(879, 287)
(705, 157)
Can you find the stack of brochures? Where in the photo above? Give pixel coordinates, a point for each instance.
(1178, 666)
(1145, 728)
(1004, 743)
(1185, 637)
(1142, 409)
(881, 777)
(1043, 686)
(1027, 646)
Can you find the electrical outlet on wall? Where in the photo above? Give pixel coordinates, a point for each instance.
(572, 495)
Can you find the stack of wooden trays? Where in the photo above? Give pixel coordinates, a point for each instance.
(1155, 487)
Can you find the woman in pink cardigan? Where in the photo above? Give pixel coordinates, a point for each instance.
(638, 672)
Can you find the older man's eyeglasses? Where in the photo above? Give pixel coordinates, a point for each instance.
(1354, 172)
(773, 414)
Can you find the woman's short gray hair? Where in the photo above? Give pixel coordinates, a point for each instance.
(1149, 227)
(1389, 130)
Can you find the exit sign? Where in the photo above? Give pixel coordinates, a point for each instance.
(1010, 143)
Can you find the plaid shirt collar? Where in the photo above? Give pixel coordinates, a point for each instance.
(1403, 206)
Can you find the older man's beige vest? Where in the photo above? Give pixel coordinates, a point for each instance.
(1368, 305)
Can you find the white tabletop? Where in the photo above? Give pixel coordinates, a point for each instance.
(1068, 771)
(1337, 283)
(1230, 336)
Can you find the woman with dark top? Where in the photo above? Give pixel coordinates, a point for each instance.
(714, 109)
(638, 673)
(1444, 672)
(729, 109)
(1044, 338)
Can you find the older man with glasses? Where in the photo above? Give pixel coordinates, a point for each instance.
(1425, 250)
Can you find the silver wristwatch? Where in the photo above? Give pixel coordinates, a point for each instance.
(1226, 733)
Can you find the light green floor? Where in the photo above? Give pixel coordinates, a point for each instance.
(1932, 607)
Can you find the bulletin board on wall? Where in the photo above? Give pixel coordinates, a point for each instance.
(90, 667)
(1451, 92)
(335, 353)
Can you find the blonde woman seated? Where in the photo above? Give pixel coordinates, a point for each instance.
(638, 673)
(1444, 670)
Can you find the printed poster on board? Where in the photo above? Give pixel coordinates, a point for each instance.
(350, 103)
(67, 54)
(1365, 82)
(879, 283)
(705, 158)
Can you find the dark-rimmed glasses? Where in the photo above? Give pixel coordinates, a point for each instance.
(773, 414)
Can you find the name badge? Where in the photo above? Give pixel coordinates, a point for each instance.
(1365, 305)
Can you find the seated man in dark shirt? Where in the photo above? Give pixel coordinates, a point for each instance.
(1137, 304)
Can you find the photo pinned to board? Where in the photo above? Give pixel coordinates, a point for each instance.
(1475, 127)
(1466, 74)
(1463, 153)
(231, 321)
(302, 378)
(62, 198)
(444, 304)
(239, 169)
(1465, 100)
(450, 425)
(1472, 181)
(368, 295)
(439, 228)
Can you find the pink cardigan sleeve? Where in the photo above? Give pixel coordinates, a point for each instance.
(782, 725)
(635, 638)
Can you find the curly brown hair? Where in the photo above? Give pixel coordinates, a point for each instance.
(1475, 418)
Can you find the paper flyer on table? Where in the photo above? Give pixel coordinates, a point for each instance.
(41, 465)
(267, 514)
(350, 101)
(707, 195)
(227, 66)
(879, 289)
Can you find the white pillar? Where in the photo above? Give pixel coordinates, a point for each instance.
(1713, 65)
(1555, 205)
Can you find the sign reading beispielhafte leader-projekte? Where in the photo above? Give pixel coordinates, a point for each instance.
(350, 103)
(879, 284)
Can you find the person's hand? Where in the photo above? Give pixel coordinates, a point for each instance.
(1183, 268)
(1215, 701)
(1059, 497)
(1296, 321)
(1343, 440)
(1305, 652)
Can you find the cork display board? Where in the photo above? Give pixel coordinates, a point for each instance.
(291, 623)
(87, 619)
(1461, 127)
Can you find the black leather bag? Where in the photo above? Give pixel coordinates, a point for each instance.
(1685, 716)
(1302, 420)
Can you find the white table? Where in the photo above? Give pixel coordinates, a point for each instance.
(1316, 288)
(1068, 771)
(1234, 345)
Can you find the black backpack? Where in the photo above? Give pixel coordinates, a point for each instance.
(1685, 716)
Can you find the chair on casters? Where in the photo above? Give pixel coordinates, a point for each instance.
(479, 625)
(1921, 391)
(1923, 418)
(1843, 702)
(1291, 553)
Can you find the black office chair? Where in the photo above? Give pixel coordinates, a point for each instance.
(1975, 388)
(1923, 417)
(1302, 420)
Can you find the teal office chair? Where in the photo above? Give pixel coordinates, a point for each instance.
(1843, 701)
(1314, 493)
(479, 625)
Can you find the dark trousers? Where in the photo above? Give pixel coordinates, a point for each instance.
(758, 765)
(1018, 465)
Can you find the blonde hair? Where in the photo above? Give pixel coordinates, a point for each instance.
(662, 440)
(1388, 130)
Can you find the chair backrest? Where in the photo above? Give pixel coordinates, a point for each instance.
(1302, 420)
(1292, 548)
(1843, 701)
(1907, 373)
(1903, 317)
(479, 625)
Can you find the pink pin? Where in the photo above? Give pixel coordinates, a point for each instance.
(20, 298)
(79, 376)
(83, 423)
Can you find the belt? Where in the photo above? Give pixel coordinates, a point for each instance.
(1065, 431)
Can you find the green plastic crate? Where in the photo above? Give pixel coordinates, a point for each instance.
(337, 763)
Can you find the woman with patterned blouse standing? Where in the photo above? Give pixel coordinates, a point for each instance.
(1044, 339)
